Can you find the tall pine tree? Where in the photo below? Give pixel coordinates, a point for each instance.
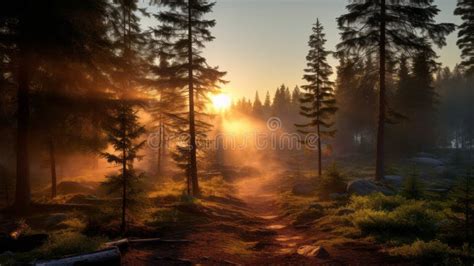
(384, 28)
(123, 132)
(183, 34)
(465, 9)
(35, 39)
(318, 103)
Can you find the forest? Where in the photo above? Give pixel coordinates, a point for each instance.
(124, 143)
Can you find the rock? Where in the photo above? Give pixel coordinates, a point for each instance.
(395, 181)
(426, 155)
(313, 251)
(440, 169)
(365, 187)
(426, 161)
(303, 189)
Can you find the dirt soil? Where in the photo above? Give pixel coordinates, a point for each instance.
(250, 231)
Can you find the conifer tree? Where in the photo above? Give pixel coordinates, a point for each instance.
(348, 73)
(465, 9)
(182, 34)
(318, 104)
(267, 104)
(295, 96)
(257, 106)
(132, 63)
(123, 131)
(36, 37)
(384, 28)
(425, 98)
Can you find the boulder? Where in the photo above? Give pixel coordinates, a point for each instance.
(440, 169)
(426, 155)
(313, 251)
(365, 187)
(303, 189)
(395, 181)
(427, 161)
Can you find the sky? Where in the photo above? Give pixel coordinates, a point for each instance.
(263, 43)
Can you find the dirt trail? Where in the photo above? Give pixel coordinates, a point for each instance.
(255, 232)
(262, 202)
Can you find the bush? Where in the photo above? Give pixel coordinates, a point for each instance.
(425, 252)
(313, 212)
(413, 188)
(391, 218)
(60, 244)
(67, 243)
(331, 182)
(376, 201)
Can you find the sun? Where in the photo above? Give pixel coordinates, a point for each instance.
(221, 101)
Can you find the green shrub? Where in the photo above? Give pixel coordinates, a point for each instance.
(425, 252)
(331, 181)
(313, 212)
(376, 201)
(413, 188)
(60, 244)
(67, 242)
(381, 219)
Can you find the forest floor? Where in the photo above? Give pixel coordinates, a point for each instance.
(252, 229)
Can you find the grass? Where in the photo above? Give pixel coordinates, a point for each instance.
(425, 252)
(61, 243)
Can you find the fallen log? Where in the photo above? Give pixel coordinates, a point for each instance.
(110, 256)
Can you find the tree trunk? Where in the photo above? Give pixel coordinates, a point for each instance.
(160, 147)
(6, 187)
(124, 183)
(379, 166)
(52, 160)
(320, 171)
(22, 191)
(192, 125)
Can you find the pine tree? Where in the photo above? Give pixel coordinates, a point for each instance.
(376, 27)
(465, 9)
(295, 97)
(348, 73)
(123, 131)
(183, 33)
(267, 104)
(35, 35)
(423, 94)
(318, 103)
(257, 106)
(132, 63)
